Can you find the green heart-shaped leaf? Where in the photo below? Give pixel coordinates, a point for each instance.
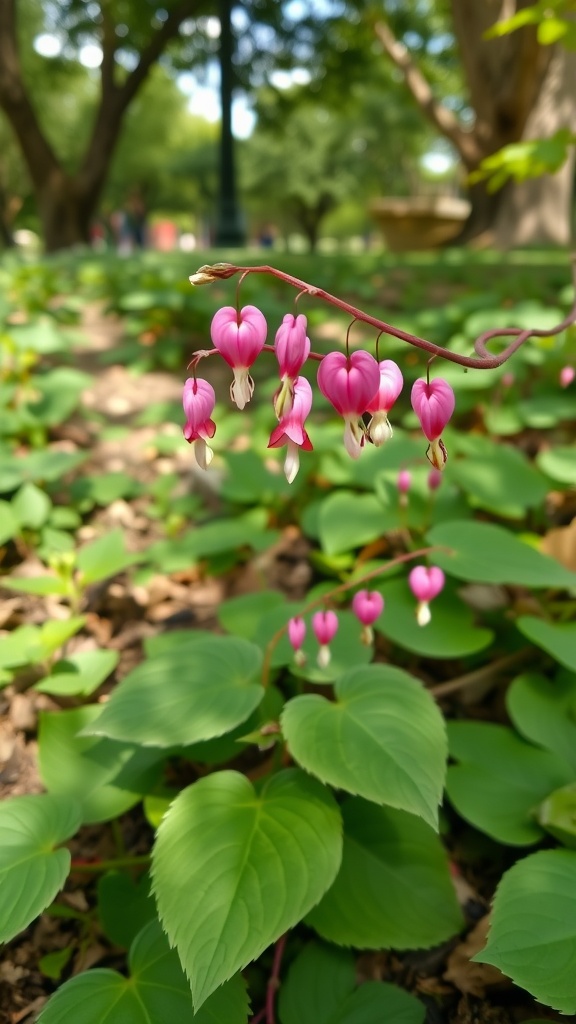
(190, 693)
(543, 711)
(532, 937)
(383, 739)
(233, 870)
(32, 870)
(500, 780)
(487, 553)
(393, 889)
(558, 639)
(156, 992)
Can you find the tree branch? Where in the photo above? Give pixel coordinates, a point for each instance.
(441, 117)
(116, 98)
(14, 99)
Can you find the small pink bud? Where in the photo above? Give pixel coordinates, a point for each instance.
(404, 481)
(291, 345)
(198, 400)
(391, 381)
(296, 632)
(425, 583)
(567, 374)
(290, 431)
(434, 479)
(325, 626)
(239, 338)
(349, 383)
(508, 379)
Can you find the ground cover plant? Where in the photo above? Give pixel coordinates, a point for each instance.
(304, 718)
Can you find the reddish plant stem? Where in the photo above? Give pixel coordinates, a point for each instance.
(274, 979)
(482, 361)
(341, 589)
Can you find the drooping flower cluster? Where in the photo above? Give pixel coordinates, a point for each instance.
(362, 390)
(424, 582)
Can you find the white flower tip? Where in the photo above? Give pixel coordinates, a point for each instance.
(292, 462)
(423, 613)
(241, 388)
(203, 453)
(324, 656)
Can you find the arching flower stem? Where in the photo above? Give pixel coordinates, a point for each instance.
(482, 361)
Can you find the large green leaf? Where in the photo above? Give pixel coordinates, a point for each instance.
(106, 777)
(503, 481)
(532, 937)
(320, 989)
(193, 692)
(451, 633)
(487, 553)
(347, 520)
(233, 870)
(156, 992)
(558, 463)
(558, 639)
(393, 888)
(383, 739)
(543, 711)
(124, 906)
(32, 870)
(316, 985)
(500, 780)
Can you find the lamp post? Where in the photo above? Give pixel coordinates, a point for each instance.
(229, 225)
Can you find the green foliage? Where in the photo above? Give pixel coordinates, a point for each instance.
(157, 987)
(193, 692)
(232, 869)
(535, 899)
(393, 889)
(32, 868)
(487, 553)
(321, 989)
(500, 780)
(383, 739)
(344, 842)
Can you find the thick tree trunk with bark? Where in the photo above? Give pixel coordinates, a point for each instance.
(66, 204)
(518, 90)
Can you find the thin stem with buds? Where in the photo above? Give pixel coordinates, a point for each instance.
(357, 581)
(482, 361)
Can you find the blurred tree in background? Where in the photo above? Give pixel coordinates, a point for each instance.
(370, 91)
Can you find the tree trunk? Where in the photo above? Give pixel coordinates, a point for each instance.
(65, 213)
(518, 90)
(539, 211)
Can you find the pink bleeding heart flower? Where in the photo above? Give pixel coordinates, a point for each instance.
(239, 338)
(292, 348)
(290, 431)
(325, 626)
(296, 636)
(567, 374)
(367, 606)
(350, 383)
(425, 583)
(433, 402)
(434, 479)
(199, 400)
(391, 382)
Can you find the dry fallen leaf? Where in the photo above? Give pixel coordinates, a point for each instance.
(472, 978)
(561, 545)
